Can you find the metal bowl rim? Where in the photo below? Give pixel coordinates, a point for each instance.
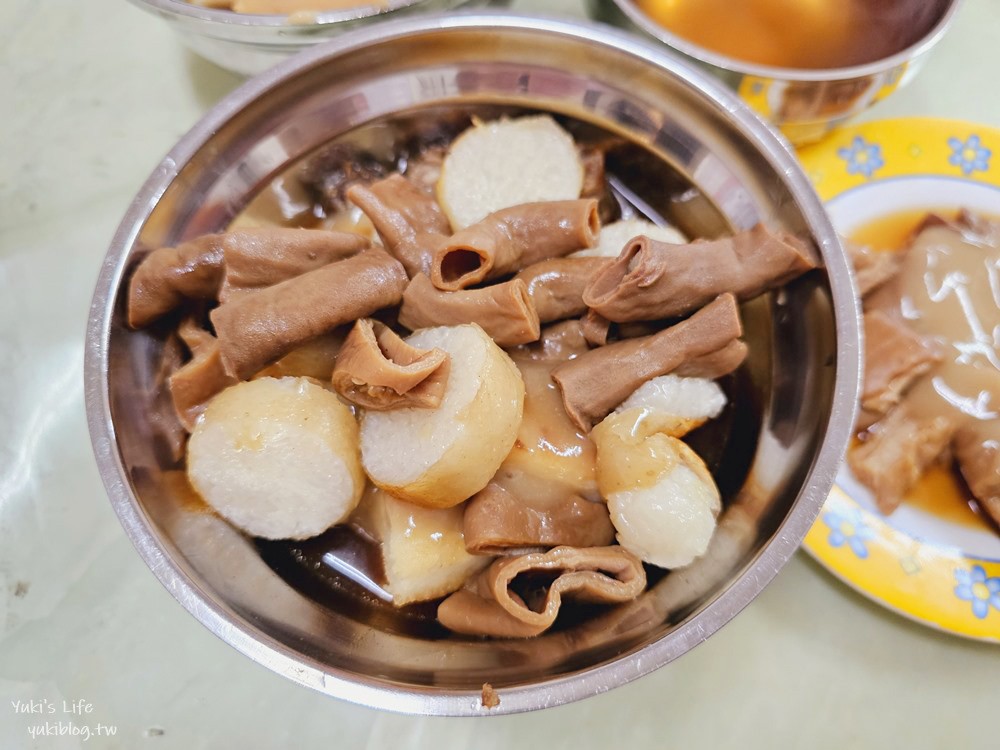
(734, 65)
(239, 633)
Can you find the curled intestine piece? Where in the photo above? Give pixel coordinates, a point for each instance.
(377, 370)
(596, 328)
(222, 265)
(408, 220)
(202, 377)
(589, 394)
(259, 327)
(603, 575)
(169, 275)
(561, 341)
(255, 258)
(500, 522)
(505, 311)
(169, 435)
(556, 285)
(513, 238)
(651, 279)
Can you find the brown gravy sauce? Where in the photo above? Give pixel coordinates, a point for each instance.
(948, 289)
(550, 459)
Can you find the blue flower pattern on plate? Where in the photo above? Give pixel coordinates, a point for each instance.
(862, 157)
(971, 155)
(849, 527)
(976, 587)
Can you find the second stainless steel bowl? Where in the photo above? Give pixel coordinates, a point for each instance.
(804, 104)
(724, 169)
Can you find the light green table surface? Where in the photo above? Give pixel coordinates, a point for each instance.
(94, 92)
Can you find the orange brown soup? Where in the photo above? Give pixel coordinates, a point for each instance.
(940, 491)
(813, 34)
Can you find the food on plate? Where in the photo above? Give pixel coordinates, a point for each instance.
(277, 458)
(504, 163)
(463, 372)
(931, 392)
(441, 457)
(872, 268)
(896, 355)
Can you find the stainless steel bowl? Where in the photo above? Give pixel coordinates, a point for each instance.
(250, 44)
(723, 167)
(804, 104)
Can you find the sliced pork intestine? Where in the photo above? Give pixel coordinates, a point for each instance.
(202, 377)
(377, 370)
(604, 575)
(217, 266)
(897, 451)
(589, 394)
(256, 258)
(409, 222)
(556, 285)
(258, 328)
(518, 513)
(872, 268)
(513, 238)
(651, 280)
(505, 311)
(169, 275)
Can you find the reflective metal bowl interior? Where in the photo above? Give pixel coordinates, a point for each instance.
(251, 43)
(720, 169)
(804, 104)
